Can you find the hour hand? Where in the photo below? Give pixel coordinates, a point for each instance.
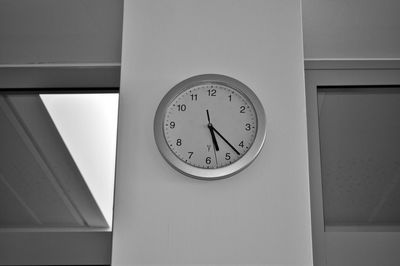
(214, 140)
(210, 127)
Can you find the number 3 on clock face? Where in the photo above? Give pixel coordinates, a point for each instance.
(210, 126)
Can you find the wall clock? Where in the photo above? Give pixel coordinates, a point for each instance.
(210, 126)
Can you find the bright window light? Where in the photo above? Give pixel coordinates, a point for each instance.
(88, 125)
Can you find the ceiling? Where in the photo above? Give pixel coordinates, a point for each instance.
(90, 31)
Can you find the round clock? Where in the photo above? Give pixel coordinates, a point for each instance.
(210, 126)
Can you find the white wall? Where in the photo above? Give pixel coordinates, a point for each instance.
(259, 216)
(351, 29)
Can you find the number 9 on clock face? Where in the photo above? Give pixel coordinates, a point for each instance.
(210, 126)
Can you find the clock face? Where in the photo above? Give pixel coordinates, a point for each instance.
(210, 126)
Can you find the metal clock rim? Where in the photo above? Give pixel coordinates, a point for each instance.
(218, 173)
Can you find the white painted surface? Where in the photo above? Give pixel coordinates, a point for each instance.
(351, 29)
(88, 125)
(260, 216)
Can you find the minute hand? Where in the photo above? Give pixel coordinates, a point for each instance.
(227, 142)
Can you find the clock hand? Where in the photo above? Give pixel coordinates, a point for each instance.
(210, 127)
(208, 117)
(214, 140)
(227, 142)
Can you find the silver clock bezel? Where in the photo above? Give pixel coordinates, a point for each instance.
(215, 173)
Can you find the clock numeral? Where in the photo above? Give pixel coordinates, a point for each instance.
(178, 142)
(248, 127)
(172, 125)
(181, 107)
(208, 160)
(227, 156)
(242, 109)
(193, 97)
(212, 92)
(230, 97)
(190, 154)
(241, 144)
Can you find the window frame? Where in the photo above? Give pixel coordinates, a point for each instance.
(350, 245)
(54, 246)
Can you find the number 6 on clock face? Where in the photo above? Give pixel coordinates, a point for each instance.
(210, 126)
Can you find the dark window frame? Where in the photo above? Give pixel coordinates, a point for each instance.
(345, 246)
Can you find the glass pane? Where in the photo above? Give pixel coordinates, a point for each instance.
(57, 160)
(360, 155)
